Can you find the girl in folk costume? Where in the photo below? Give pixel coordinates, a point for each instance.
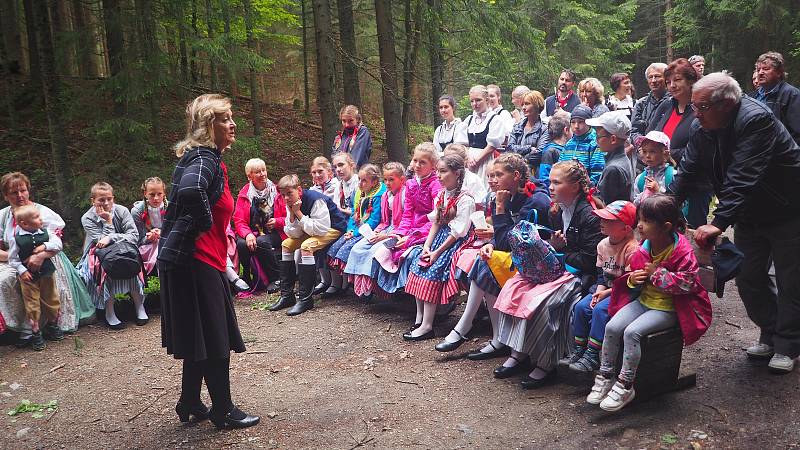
(365, 218)
(432, 277)
(483, 132)
(326, 183)
(487, 269)
(354, 138)
(332, 282)
(345, 169)
(662, 289)
(495, 99)
(360, 267)
(535, 317)
(473, 185)
(414, 226)
(445, 133)
(322, 178)
(148, 215)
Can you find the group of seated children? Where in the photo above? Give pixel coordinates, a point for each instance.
(531, 250)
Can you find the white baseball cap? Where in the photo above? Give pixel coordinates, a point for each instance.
(615, 122)
(655, 136)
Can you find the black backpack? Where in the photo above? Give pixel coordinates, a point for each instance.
(120, 260)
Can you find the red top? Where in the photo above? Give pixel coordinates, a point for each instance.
(211, 247)
(672, 123)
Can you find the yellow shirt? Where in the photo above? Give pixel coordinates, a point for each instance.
(651, 296)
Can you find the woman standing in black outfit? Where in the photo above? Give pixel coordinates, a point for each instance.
(198, 321)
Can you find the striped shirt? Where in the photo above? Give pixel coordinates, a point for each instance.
(584, 149)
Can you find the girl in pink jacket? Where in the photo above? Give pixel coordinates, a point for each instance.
(662, 290)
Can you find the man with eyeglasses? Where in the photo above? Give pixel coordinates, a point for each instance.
(773, 90)
(753, 164)
(646, 106)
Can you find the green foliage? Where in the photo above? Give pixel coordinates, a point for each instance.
(732, 33)
(153, 286)
(38, 410)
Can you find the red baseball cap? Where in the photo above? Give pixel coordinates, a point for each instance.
(618, 210)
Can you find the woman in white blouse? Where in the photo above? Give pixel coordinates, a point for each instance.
(483, 132)
(445, 133)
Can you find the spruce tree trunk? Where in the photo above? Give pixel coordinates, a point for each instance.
(229, 73)
(410, 58)
(212, 65)
(392, 115)
(435, 52)
(306, 100)
(9, 9)
(347, 35)
(5, 82)
(255, 103)
(114, 45)
(30, 30)
(51, 91)
(326, 77)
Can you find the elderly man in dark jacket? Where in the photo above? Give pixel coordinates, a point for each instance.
(753, 164)
(773, 90)
(646, 106)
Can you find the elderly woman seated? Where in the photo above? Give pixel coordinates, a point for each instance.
(258, 222)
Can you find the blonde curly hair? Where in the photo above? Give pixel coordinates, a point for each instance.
(200, 114)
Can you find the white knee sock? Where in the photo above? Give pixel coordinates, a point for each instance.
(494, 316)
(138, 303)
(511, 362)
(336, 281)
(420, 310)
(464, 325)
(111, 316)
(428, 313)
(325, 275)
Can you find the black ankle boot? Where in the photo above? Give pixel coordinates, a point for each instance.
(288, 277)
(184, 410)
(307, 276)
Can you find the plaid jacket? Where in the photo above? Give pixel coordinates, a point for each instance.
(197, 184)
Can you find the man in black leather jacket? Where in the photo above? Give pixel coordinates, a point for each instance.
(754, 166)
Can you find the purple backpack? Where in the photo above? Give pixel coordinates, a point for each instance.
(534, 258)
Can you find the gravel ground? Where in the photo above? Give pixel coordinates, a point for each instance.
(340, 376)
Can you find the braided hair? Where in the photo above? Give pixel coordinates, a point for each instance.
(576, 173)
(454, 163)
(513, 162)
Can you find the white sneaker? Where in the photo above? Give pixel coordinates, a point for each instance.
(617, 398)
(760, 351)
(600, 389)
(781, 364)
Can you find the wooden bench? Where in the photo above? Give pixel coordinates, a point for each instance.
(659, 368)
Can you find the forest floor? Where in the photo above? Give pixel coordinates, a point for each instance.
(340, 376)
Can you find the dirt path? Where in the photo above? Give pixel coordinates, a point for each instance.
(341, 375)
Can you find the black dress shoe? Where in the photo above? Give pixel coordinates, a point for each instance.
(199, 411)
(333, 294)
(496, 353)
(236, 418)
(445, 346)
(423, 337)
(535, 383)
(507, 372)
(320, 288)
(142, 322)
(117, 327)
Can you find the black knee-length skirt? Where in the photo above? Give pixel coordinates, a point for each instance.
(198, 320)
